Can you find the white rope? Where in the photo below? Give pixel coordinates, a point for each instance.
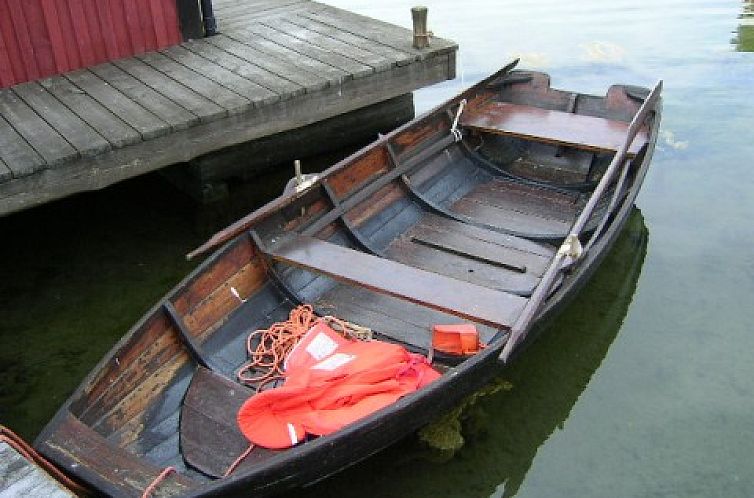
(454, 129)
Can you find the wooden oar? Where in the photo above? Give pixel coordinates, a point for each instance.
(523, 322)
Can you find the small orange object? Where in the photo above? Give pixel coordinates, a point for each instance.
(460, 339)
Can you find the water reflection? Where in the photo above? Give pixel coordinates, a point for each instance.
(744, 40)
(510, 426)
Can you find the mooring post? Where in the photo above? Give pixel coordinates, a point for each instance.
(421, 34)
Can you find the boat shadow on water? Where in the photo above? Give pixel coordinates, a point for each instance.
(503, 431)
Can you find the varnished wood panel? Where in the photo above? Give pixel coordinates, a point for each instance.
(555, 127)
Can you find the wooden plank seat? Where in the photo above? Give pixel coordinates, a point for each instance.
(99, 462)
(463, 299)
(590, 133)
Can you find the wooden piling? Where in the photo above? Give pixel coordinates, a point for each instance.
(421, 34)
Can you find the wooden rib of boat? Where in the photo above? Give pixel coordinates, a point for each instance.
(491, 209)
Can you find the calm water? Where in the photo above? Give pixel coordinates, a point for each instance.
(644, 393)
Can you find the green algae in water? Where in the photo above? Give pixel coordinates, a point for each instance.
(445, 434)
(76, 275)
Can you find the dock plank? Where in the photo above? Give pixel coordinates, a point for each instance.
(238, 84)
(20, 477)
(331, 74)
(18, 155)
(48, 143)
(284, 68)
(226, 11)
(147, 124)
(399, 57)
(333, 45)
(78, 133)
(282, 86)
(107, 124)
(232, 18)
(5, 172)
(346, 65)
(170, 112)
(202, 107)
(218, 94)
(373, 29)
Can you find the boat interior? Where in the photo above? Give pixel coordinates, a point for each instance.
(425, 227)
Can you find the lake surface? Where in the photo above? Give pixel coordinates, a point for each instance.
(643, 387)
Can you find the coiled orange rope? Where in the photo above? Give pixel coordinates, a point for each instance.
(274, 345)
(276, 342)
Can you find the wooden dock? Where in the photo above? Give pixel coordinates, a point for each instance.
(19, 477)
(275, 66)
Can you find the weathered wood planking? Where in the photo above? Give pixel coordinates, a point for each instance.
(5, 172)
(385, 33)
(285, 88)
(179, 93)
(76, 131)
(230, 21)
(243, 10)
(333, 45)
(36, 132)
(257, 94)
(20, 477)
(109, 125)
(351, 40)
(347, 63)
(20, 157)
(214, 92)
(273, 68)
(170, 112)
(331, 74)
(284, 68)
(144, 122)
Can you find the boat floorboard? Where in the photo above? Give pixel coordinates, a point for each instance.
(396, 319)
(472, 254)
(484, 208)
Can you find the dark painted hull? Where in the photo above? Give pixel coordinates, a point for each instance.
(421, 231)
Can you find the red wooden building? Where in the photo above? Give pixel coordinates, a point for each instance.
(40, 38)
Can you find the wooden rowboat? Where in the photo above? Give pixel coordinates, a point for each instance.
(491, 209)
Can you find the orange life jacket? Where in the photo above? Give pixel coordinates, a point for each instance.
(330, 382)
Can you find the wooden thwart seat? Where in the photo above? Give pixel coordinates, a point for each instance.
(460, 298)
(105, 465)
(554, 127)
